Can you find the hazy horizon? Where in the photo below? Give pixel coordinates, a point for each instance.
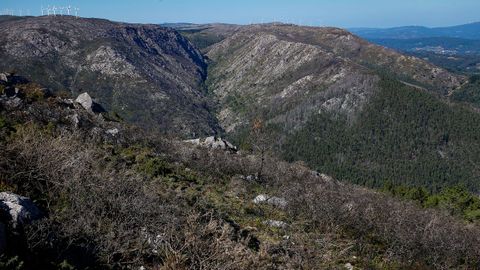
(345, 13)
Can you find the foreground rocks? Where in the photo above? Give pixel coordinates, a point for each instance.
(86, 101)
(4, 77)
(89, 104)
(276, 224)
(271, 200)
(15, 212)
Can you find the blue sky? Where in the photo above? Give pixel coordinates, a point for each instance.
(342, 13)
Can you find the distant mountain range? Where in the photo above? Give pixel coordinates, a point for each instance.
(466, 31)
(438, 45)
(455, 48)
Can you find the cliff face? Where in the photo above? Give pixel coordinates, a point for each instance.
(148, 74)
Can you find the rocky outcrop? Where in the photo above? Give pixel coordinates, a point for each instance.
(214, 142)
(271, 200)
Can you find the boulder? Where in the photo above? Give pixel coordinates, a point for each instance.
(4, 77)
(89, 104)
(86, 101)
(260, 199)
(214, 142)
(113, 132)
(271, 200)
(276, 224)
(249, 178)
(18, 210)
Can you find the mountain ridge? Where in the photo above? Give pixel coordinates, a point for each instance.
(146, 73)
(467, 31)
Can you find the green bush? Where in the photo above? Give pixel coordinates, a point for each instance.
(32, 91)
(456, 200)
(155, 167)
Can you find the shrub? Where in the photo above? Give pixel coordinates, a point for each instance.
(32, 91)
(155, 167)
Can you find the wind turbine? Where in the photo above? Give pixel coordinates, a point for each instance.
(76, 11)
(54, 11)
(69, 8)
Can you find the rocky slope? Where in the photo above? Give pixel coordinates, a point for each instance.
(147, 74)
(289, 72)
(355, 110)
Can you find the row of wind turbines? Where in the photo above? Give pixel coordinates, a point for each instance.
(54, 11)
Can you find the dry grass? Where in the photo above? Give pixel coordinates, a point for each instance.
(104, 212)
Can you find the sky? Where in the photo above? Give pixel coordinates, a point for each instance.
(340, 13)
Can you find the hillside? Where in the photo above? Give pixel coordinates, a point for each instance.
(205, 35)
(293, 81)
(358, 111)
(128, 199)
(147, 74)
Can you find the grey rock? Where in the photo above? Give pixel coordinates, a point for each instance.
(249, 178)
(75, 120)
(260, 199)
(19, 210)
(271, 200)
(86, 101)
(276, 224)
(14, 102)
(349, 266)
(114, 132)
(214, 142)
(3, 77)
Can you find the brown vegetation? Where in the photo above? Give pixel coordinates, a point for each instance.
(146, 203)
